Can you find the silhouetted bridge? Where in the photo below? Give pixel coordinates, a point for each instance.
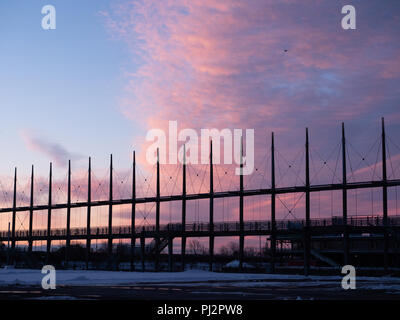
(203, 229)
(343, 228)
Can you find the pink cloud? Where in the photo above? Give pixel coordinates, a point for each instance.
(54, 151)
(222, 63)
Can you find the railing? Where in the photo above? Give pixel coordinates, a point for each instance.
(359, 221)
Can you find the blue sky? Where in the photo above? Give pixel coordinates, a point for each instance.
(114, 69)
(60, 85)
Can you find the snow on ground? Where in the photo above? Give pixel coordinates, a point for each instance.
(192, 278)
(236, 264)
(55, 298)
(83, 277)
(320, 285)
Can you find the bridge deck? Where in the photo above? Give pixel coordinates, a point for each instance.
(264, 227)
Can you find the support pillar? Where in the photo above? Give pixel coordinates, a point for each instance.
(142, 251)
(133, 213)
(183, 249)
(273, 198)
(88, 234)
(385, 200)
(170, 254)
(14, 213)
(110, 210)
(211, 239)
(30, 241)
(307, 227)
(157, 247)
(49, 217)
(241, 218)
(8, 245)
(68, 240)
(344, 201)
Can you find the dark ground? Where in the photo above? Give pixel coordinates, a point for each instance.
(195, 292)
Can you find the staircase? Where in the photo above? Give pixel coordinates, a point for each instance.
(151, 248)
(323, 258)
(394, 233)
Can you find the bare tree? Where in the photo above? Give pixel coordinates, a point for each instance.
(231, 249)
(224, 251)
(196, 247)
(251, 252)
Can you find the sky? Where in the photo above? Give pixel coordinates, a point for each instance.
(60, 86)
(112, 70)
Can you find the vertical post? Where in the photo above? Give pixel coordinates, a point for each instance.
(14, 214)
(8, 245)
(273, 197)
(88, 235)
(142, 250)
(344, 200)
(183, 249)
(170, 253)
(110, 209)
(68, 240)
(49, 217)
(241, 220)
(307, 227)
(133, 213)
(384, 198)
(30, 242)
(157, 247)
(211, 240)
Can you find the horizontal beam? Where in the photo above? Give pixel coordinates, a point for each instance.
(369, 223)
(327, 233)
(221, 194)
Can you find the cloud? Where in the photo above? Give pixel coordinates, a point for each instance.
(54, 151)
(208, 63)
(223, 64)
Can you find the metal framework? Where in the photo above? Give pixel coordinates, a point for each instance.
(166, 233)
